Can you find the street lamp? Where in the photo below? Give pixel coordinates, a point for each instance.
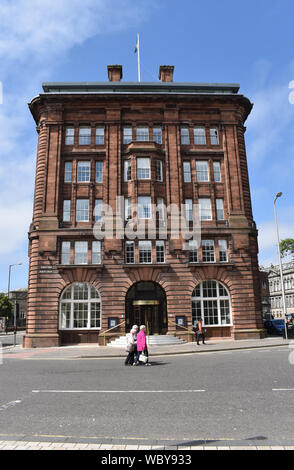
(14, 316)
(9, 274)
(281, 268)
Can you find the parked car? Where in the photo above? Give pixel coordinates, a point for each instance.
(275, 327)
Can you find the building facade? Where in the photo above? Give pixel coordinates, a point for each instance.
(155, 146)
(20, 297)
(276, 300)
(265, 295)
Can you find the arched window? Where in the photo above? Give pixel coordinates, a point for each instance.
(211, 303)
(80, 307)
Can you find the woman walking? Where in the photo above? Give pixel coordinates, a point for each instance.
(141, 346)
(131, 345)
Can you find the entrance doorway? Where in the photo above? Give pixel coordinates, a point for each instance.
(146, 305)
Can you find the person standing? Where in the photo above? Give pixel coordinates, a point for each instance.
(200, 332)
(131, 344)
(141, 346)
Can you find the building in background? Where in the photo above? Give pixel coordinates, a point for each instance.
(276, 300)
(265, 295)
(152, 144)
(20, 296)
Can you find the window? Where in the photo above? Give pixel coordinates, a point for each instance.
(208, 255)
(202, 171)
(220, 209)
(161, 210)
(96, 252)
(81, 252)
(99, 172)
(223, 250)
(80, 307)
(217, 172)
(144, 207)
(67, 172)
(127, 135)
(130, 252)
(98, 210)
(69, 136)
(205, 209)
(142, 134)
(65, 253)
(157, 135)
(84, 171)
(128, 208)
(199, 136)
(187, 172)
(214, 136)
(159, 251)
(145, 251)
(66, 210)
(193, 251)
(211, 303)
(82, 212)
(85, 135)
(189, 210)
(143, 168)
(127, 170)
(99, 136)
(185, 138)
(158, 170)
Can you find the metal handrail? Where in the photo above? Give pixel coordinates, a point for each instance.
(113, 328)
(190, 331)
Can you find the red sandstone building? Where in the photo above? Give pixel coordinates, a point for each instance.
(151, 143)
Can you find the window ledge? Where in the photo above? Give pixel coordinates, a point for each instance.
(148, 265)
(218, 263)
(68, 267)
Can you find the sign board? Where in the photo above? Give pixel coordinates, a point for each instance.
(46, 269)
(112, 322)
(180, 321)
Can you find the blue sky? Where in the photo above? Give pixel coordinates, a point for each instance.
(74, 40)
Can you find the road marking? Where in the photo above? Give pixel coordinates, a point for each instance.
(9, 405)
(283, 389)
(118, 391)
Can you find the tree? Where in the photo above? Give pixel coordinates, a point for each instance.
(287, 247)
(6, 306)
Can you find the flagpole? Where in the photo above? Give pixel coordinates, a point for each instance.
(139, 64)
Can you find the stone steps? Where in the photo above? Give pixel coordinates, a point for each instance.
(153, 340)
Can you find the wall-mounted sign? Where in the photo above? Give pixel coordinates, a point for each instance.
(46, 269)
(180, 321)
(112, 322)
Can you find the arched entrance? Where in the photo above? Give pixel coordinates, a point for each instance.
(146, 305)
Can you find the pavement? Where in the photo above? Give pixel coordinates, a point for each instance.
(90, 351)
(38, 420)
(21, 445)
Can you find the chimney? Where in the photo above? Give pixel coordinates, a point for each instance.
(166, 73)
(114, 73)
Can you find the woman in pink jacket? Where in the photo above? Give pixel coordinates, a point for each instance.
(141, 345)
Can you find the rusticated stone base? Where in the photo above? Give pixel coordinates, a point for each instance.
(41, 340)
(248, 334)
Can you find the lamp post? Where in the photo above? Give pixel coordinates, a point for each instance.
(281, 267)
(14, 310)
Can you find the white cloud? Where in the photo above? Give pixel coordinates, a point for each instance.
(32, 28)
(271, 118)
(14, 222)
(267, 233)
(34, 35)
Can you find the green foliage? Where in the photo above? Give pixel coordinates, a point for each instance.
(6, 307)
(287, 247)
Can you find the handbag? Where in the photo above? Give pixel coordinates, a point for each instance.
(143, 358)
(130, 348)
